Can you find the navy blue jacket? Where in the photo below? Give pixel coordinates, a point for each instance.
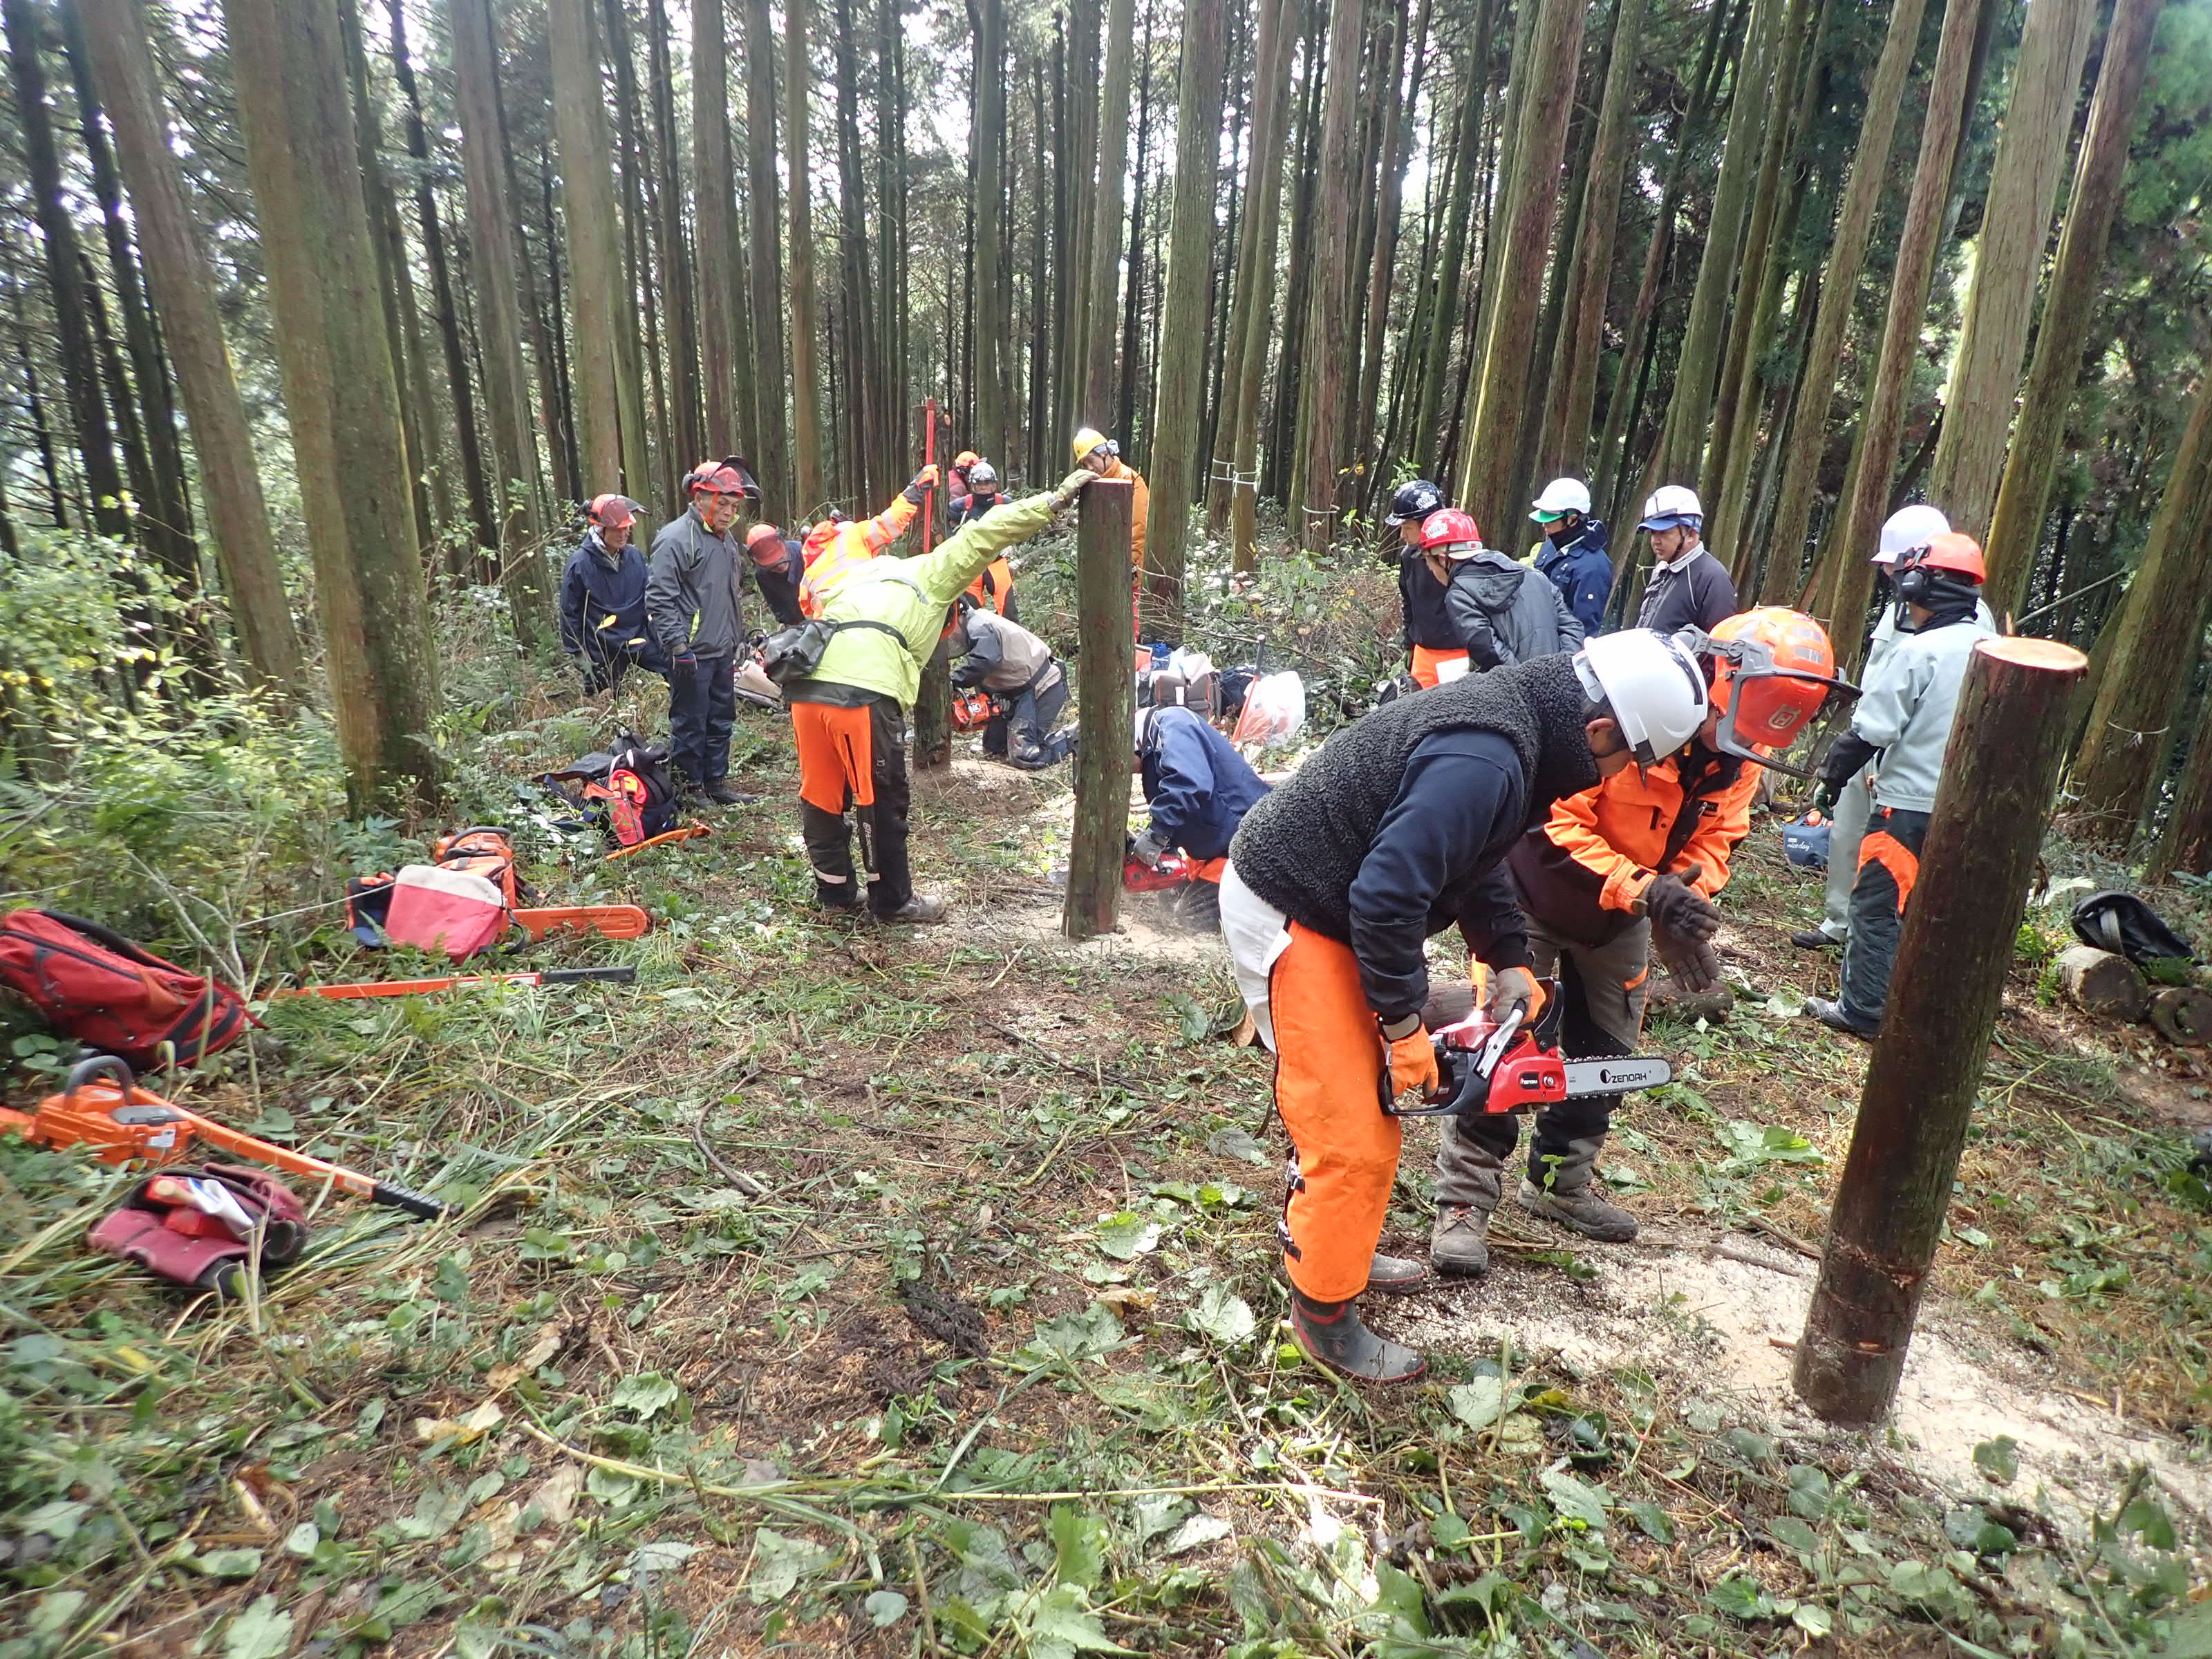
(779, 586)
(1199, 786)
(1438, 857)
(1582, 573)
(597, 586)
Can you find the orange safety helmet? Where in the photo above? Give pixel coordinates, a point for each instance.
(612, 512)
(964, 459)
(761, 533)
(1772, 672)
(1959, 554)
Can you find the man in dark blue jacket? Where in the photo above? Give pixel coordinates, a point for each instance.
(1572, 553)
(778, 564)
(603, 599)
(1200, 788)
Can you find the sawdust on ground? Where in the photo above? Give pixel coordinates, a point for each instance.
(1673, 1306)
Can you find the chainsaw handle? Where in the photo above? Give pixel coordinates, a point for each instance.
(99, 1066)
(622, 976)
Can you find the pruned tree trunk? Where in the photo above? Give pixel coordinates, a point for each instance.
(714, 208)
(1927, 1071)
(610, 391)
(2185, 844)
(2009, 260)
(1752, 107)
(987, 162)
(805, 364)
(1322, 364)
(1174, 437)
(2130, 722)
(183, 287)
(88, 408)
(1839, 282)
(771, 454)
(687, 436)
(496, 286)
(2016, 527)
(165, 511)
(1254, 307)
(340, 392)
(1104, 661)
(1566, 443)
(1445, 307)
(1106, 238)
(483, 514)
(1514, 265)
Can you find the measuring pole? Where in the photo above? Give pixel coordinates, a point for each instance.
(933, 702)
(1105, 681)
(1999, 774)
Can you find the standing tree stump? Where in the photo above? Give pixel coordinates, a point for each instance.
(2100, 983)
(1999, 775)
(1105, 674)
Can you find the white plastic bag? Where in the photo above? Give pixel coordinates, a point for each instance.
(1275, 710)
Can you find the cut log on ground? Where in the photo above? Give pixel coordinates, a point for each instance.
(2100, 982)
(2182, 1014)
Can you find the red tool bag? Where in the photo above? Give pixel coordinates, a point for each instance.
(94, 985)
(161, 1229)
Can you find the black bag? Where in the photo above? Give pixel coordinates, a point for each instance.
(628, 787)
(795, 653)
(2124, 924)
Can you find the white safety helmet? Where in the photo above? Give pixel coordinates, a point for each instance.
(1671, 505)
(1651, 684)
(1907, 528)
(1561, 496)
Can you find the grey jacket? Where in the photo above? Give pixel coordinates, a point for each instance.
(692, 589)
(1507, 613)
(997, 654)
(1911, 698)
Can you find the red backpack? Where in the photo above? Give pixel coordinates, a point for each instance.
(96, 985)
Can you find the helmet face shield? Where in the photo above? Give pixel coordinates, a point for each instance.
(1763, 705)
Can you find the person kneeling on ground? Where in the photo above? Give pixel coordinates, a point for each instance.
(849, 716)
(1504, 611)
(693, 601)
(1396, 829)
(1017, 669)
(1199, 788)
(1616, 874)
(603, 624)
(1902, 725)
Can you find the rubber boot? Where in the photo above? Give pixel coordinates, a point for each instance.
(1569, 1196)
(1332, 1335)
(1393, 1275)
(1469, 1179)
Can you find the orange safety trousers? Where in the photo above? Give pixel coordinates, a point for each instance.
(1344, 1159)
(1209, 870)
(1425, 661)
(836, 759)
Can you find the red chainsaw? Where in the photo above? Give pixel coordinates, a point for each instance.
(1173, 871)
(1488, 1065)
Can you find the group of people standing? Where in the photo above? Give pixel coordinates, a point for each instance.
(677, 609)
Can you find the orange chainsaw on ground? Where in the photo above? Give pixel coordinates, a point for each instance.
(102, 1107)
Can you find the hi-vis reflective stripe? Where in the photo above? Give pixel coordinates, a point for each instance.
(1881, 847)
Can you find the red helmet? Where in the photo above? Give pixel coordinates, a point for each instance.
(1448, 527)
(763, 532)
(713, 478)
(1773, 670)
(1960, 555)
(612, 512)
(964, 459)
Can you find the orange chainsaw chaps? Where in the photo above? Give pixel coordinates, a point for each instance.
(606, 920)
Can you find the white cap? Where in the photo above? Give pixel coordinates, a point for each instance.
(1652, 685)
(1669, 505)
(1562, 495)
(1907, 528)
